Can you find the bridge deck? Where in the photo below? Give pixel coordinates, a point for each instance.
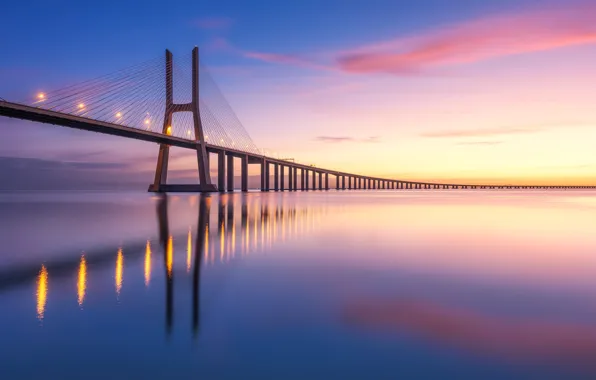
(41, 115)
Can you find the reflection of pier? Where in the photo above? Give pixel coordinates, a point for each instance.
(240, 224)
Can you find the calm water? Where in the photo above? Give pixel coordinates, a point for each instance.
(346, 285)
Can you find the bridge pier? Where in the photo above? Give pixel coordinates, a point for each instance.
(295, 179)
(326, 181)
(276, 176)
(282, 169)
(161, 170)
(230, 173)
(221, 171)
(320, 180)
(306, 174)
(290, 178)
(244, 174)
(263, 163)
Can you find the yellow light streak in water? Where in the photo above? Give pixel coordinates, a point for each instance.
(119, 271)
(247, 236)
(188, 251)
(82, 281)
(42, 292)
(222, 242)
(255, 237)
(262, 232)
(206, 242)
(170, 256)
(283, 226)
(147, 263)
(233, 239)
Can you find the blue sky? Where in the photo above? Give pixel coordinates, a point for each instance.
(280, 66)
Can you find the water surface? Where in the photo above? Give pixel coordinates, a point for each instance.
(319, 285)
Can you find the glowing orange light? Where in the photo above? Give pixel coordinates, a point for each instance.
(119, 271)
(118, 115)
(81, 105)
(188, 133)
(41, 96)
(170, 256)
(82, 282)
(147, 121)
(169, 131)
(189, 251)
(42, 291)
(148, 263)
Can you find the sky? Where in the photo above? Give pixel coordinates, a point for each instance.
(474, 91)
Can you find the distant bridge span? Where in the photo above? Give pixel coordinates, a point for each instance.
(91, 107)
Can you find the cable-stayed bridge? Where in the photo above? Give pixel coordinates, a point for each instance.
(179, 104)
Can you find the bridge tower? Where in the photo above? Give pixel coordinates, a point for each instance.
(161, 171)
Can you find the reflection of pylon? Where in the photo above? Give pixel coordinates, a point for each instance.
(161, 171)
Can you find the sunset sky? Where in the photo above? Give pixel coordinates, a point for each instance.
(474, 91)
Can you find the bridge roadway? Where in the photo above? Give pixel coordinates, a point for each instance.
(308, 173)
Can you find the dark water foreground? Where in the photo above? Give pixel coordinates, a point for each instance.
(359, 285)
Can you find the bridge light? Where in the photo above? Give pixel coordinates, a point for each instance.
(41, 96)
(188, 133)
(169, 131)
(147, 121)
(118, 115)
(81, 106)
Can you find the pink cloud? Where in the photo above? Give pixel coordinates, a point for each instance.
(515, 338)
(214, 22)
(284, 59)
(476, 40)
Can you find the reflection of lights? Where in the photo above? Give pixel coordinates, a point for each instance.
(119, 270)
(206, 241)
(42, 291)
(233, 239)
(170, 256)
(147, 263)
(188, 251)
(82, 282)
(222, 243)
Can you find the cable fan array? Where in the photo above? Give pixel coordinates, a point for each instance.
(135, 97)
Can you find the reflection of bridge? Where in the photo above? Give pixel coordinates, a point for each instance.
(240, 225)
(138, 103)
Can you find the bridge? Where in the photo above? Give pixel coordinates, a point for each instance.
(138, 103)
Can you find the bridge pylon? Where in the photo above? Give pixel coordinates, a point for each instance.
(160, 184)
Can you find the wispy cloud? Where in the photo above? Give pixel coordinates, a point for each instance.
(478, 143)
(343, 139)
(285, 59)
(477, 40)
(481, 132)
(213, 22)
